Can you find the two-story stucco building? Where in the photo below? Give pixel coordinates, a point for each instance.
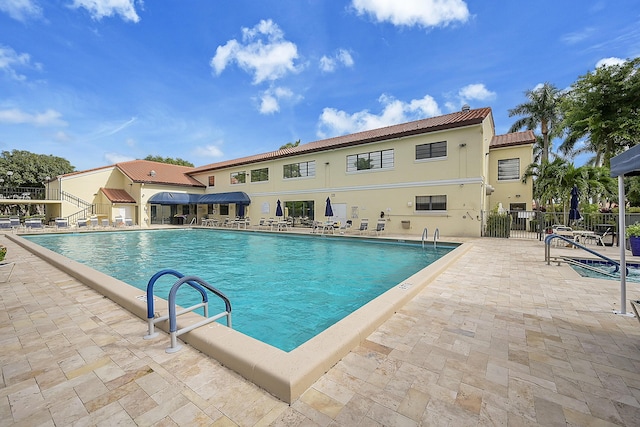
(442, 172)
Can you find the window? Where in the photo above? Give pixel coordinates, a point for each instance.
(373, 160)
(432, 150)
(258, 175)
(297, 170)
(238, 177)
(224, 209)
(431, 203)
(508, 169)
(212, 181)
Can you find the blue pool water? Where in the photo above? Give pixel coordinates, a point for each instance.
(606, 270)
(283, 289)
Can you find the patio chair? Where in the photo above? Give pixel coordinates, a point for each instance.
(5, 223)
(346, 227)
(82, 223)
(379, 227)
(33, 225)
(364, 225)
(317, 226)
(15, 223)
(119, 221)
(61, 223)
(93, 221)
(105, 222)
(128, 222)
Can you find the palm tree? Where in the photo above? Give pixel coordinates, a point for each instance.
(542, 109)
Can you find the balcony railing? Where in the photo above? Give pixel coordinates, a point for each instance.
(22, 193)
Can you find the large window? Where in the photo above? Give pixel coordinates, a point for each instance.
(431, 151)
(212, 181)
(238, 177)
(258, 175)
(508, 169)
(373, 160)
(298, 170)
(431, 203)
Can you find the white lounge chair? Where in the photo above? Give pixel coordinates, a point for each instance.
(364, 225)
(379, 227)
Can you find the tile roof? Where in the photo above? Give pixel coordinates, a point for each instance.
(511, 139)
(117, 196)
(148, 172)
(432, 124)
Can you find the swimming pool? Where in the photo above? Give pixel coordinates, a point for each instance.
(284, 289)
(602, 270)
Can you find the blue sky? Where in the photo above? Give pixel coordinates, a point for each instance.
(103, 81)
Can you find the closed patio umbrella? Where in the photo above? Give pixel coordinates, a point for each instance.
(574, 213)
(328, 211)
(279, 209)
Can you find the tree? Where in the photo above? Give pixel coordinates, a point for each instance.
(602, 110)
(289, 145)
(177, 161)
(30, 169)
(554, 180)
(542, 109)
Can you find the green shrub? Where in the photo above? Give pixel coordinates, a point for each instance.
(498, 225)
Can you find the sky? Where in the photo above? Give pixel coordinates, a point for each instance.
(103, 81)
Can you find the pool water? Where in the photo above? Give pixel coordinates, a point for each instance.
(607, 270)
(283, 289)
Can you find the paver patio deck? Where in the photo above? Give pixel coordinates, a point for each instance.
(500, 338)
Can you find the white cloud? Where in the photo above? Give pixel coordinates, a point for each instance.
(270, 99)
(209, 151)
(341, 57)
(468, 94)
(263, 52)
(117, 158)
(577, 36)
(48, 118)
(21, 10)
(606, 62)
(107, 8)
(425, 13)
(476, 91)
(335, 122)
(10, 60)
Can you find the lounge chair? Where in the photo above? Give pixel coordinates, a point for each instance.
(61, 223)
(33, 225)
(119, 221)
(128, 222)
(379, 227)
(93, 221)
(5, 223)
(346, 227)
(82, 223)
(262, 223)
(15, 223)
(364, 225)
(105, 222)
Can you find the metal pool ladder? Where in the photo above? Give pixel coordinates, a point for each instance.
(425, 236)
(197, 284)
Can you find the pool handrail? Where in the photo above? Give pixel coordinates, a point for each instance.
(425, 236)
(547, 251)
(173, 326)
(436, 236)
(151, 317)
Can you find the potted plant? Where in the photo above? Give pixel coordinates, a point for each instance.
(632, 232)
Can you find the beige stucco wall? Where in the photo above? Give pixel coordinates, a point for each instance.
(510, 191)
(460, 176)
